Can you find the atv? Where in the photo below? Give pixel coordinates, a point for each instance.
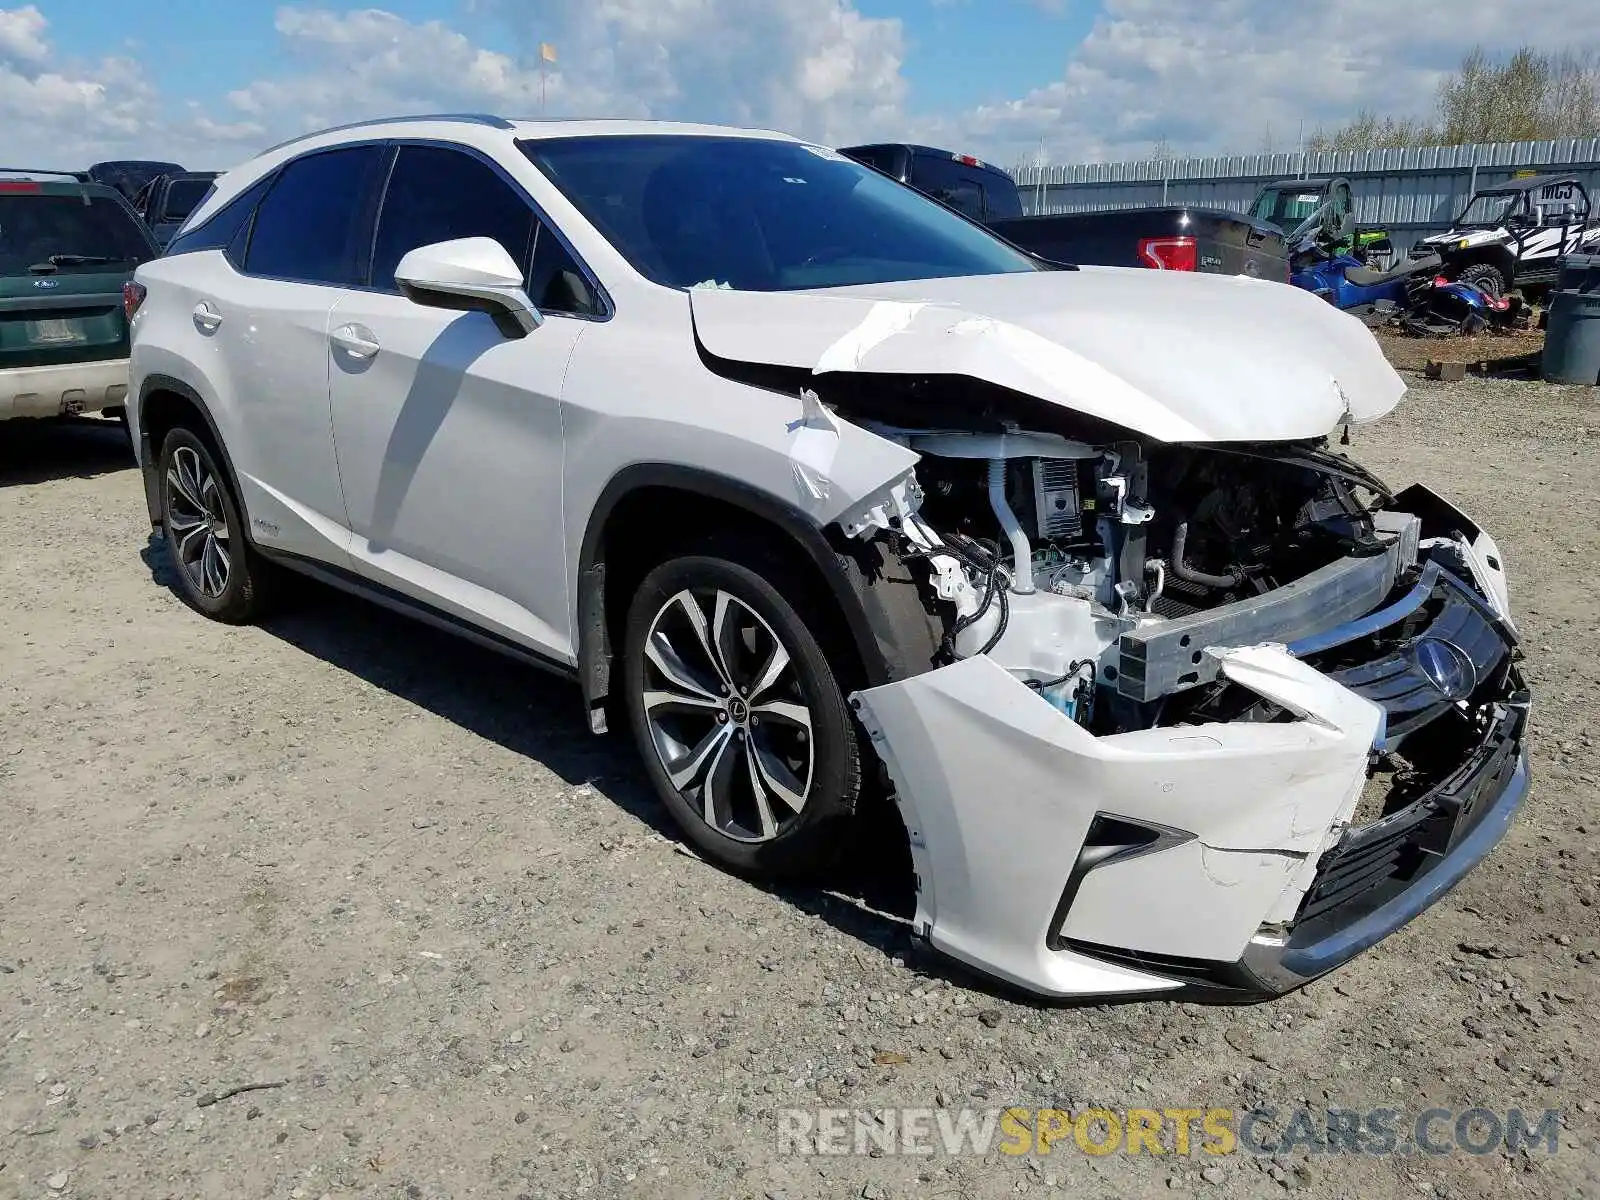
(1511, 237)
(1324, 208)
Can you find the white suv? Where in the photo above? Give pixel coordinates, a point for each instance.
(796, 467)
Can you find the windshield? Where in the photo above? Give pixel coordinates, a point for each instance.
(182, 196)
(35, 228)
(1286, 208)
(1490, 210)
(763, 216)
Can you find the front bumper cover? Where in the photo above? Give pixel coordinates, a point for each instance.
(1221, 861)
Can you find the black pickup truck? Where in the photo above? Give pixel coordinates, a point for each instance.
(1169, 238)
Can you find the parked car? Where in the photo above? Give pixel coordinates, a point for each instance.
(791, 467)
(1172, 238)
(1513, 235)
(67, 248)
(129, 176)
(167, 200)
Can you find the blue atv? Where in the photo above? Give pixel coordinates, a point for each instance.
(1413, 294)
(1377, 297)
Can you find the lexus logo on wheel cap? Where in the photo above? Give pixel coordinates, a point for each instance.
(1446, 667)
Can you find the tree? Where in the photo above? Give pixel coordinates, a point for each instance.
(1368, 131)
(1529, 96)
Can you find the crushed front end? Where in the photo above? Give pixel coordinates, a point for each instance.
(1206, 719)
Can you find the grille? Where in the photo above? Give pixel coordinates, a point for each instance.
(1468, 750)
(1376, 861)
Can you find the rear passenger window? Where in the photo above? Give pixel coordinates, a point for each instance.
(438, 195)
(308, 228)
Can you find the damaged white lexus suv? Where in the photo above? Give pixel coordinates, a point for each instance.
(812, 481)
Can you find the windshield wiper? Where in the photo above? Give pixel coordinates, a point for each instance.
(84, 260)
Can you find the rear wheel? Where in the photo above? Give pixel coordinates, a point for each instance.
(741, 722)
(1486, 277)
(218, 573)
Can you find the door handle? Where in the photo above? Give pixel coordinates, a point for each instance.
(355, 341)
(206, 318)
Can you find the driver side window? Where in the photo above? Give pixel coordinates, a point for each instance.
(437, 194)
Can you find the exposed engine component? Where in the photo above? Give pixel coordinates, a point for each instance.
(1130, 537)
(1230, 525)
(1057, 509)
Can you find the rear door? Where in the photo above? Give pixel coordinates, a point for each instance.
(306, 246)
(65, 252)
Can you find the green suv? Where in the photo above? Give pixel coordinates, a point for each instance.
(66, 249)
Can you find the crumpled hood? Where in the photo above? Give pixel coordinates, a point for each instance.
(1176, 356)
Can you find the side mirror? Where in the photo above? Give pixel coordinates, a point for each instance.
(470, 275)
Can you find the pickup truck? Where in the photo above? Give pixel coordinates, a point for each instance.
(1168, 238)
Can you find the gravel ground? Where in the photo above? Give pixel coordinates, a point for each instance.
(394, 878)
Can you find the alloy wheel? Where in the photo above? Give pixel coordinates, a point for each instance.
(198, 523)
(727, 716)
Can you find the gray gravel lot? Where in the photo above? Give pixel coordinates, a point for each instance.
(392, 874)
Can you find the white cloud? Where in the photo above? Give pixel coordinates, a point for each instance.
(1224, 76)
(22, 35)
(813, 67)
(816, 67)
(59, 115)
(1204, 78)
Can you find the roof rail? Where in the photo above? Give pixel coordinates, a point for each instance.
(80, 176)
(474, 118)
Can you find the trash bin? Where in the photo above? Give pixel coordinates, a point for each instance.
(1579, 273)
(1572, 333)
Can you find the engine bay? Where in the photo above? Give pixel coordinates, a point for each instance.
(1052, 556)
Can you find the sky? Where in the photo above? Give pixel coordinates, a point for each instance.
(208, 83)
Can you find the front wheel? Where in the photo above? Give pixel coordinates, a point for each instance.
(741, 722)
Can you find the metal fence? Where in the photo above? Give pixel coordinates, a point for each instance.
(1412, 192)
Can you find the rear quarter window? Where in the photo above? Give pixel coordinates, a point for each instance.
(225, 229)
(36, 227)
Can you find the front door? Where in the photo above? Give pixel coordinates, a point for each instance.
(448, 433)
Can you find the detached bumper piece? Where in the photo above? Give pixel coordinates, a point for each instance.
(1441, 664)
(1229, 861)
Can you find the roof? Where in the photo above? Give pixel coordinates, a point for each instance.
(603, 127)
(535, 128)
(1320, 181)
(1523, 185)
(57, 187)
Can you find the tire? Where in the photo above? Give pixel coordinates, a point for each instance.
(218, 574)
(1486, 277)
(761, 780)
